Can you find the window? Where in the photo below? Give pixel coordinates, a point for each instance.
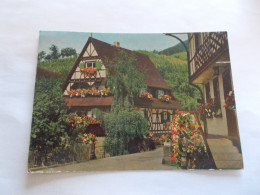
(197, 40)
(91, 64)
(165, 116)
(160, 92)
(207, 89)
(143, 90)
(146, 115)
(216, 88)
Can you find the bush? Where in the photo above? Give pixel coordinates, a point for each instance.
(122, 128)
(48, 121)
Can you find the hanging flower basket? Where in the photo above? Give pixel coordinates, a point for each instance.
(230, 101)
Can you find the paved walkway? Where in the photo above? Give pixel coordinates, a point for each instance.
(151, 160)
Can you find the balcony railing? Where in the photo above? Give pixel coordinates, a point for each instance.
(213, 45)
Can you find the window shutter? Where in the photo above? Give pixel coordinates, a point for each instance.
(98, 65)
(169, 116)
(146, 114)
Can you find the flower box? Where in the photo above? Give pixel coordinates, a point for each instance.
(88, 92)
(147, 95)
(164, 98)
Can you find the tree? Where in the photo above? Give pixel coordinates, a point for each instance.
(124, 128)
(54, 52)
(48, 120)
(67, 52)
(123, 124)
(41, 56)
(47, 57)
(124, 80)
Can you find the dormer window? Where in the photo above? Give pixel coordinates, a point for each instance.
(160, 92)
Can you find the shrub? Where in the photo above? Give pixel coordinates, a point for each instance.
(123, 128)
(48, 121)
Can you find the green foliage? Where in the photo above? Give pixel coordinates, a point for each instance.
(124, 80)
(67, 52)
(62, 66)
(54, 52)
(47, 57)
(175, 49)
(41, 56)
(174, 70)
(98, 114)
(124, 125)
(122, 128)
(48, 120)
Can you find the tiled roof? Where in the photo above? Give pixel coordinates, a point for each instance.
(157, 104)
(110, 52)
(89, 101)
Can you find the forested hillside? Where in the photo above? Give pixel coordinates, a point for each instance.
(62, 66)
(174, 70)
(175, 49)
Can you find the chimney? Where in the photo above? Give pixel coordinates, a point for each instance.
(116, 44)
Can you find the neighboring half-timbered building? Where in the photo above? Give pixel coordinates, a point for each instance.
(85, 87)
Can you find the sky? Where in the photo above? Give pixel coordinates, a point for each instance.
(77, 40)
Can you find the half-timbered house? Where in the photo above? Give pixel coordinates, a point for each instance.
(210, 66)
(87, 80)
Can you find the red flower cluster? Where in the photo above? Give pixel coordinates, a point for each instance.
(82, 121)
(151, 134)
(208, 109)
(230, 101)
(88, 70)
(89, 138)
(147, 95)
(165, 138)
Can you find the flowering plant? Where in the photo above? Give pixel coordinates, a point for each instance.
(89, 138)
(81, 122)
(89, 71)
(230, 101)
(90, 92)
(165, 138)
(151, 134)
(147, 95)
(186, 137)
(209, 109)
(165, 98)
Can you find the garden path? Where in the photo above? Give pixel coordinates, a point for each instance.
(151, 160)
